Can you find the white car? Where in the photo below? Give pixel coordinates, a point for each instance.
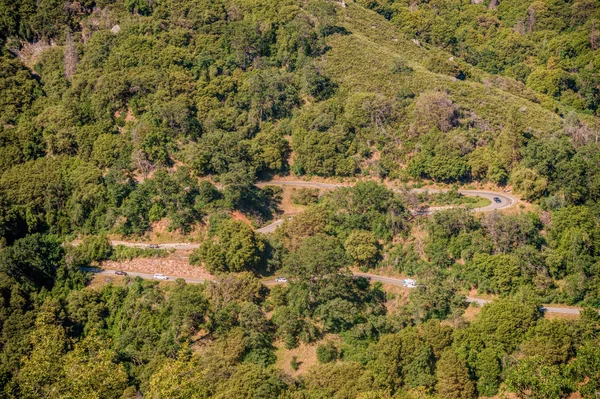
(409, 283)
(281, 280)
(160, 277)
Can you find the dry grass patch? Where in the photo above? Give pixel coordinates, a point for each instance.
(99, 280)
(554, 316)
(159, 233)
(396, 298)
(286, 205)
(471, 312)
(306, 355)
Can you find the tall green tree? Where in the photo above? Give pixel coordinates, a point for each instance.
(453, 379)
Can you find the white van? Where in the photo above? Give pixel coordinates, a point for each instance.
(409, 283)
(160, 277)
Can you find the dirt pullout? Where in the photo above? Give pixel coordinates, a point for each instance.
(175, 264)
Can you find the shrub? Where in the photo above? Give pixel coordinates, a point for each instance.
(294, 364)
(121, 253)
(92, 249)
(362, 246)
(400, 66)
(305, 196)
(327, 352)
(435, 109)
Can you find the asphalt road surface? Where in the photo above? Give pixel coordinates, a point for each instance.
(372, 277)
(479, 301)
(506, 200)
(145, 276)
(270, 227)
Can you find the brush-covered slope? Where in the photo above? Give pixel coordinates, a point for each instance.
(409, 110)
(367, 59)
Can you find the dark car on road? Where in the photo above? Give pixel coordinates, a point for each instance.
(120, 273)
(497, 200)
(153, 246)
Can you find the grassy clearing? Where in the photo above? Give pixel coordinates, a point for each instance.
(452, 198)
(478, 202)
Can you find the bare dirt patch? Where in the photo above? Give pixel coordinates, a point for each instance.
(130, 117)
(175, 264)
(471, 312)
(237, 215)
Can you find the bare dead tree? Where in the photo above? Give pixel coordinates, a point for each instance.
(531, 18)
(579, 132)
(595, 37)
(141, 163)
(520, 28)
(70, 56)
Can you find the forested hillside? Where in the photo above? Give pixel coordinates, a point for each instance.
(123, 118)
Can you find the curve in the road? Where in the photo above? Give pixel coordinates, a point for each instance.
(506, 200)
(270, 227)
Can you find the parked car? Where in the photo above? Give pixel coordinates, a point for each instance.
(160, 277)
(153, 246)
(497, 200)
(120, 273)
(281, 280)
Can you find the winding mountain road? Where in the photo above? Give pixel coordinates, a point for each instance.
(373, 277)
(167, 245)
(505, 200)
